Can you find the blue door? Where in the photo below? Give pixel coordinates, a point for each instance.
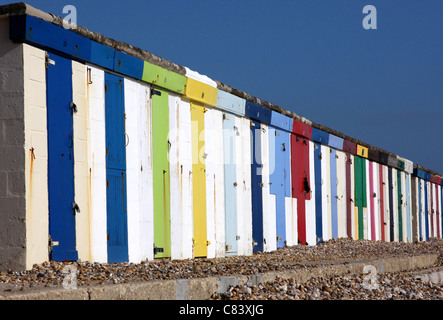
(230, 176)
(318, 192)
(256, 187)
(117, 234)
(279, 178)
(60, 159)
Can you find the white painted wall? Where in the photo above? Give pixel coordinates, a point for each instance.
(97, 164)
(36, 161)
(311, 236)
(244, 196)
(81, 167)
(214, 182)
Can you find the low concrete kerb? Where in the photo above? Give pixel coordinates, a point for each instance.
(203, 288)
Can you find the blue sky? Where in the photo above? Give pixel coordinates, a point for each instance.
(382, 86)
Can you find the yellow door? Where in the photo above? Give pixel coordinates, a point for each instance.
(199, 179)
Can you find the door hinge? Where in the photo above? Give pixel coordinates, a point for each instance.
(107, 237)
(155, 92)
(158, 250)
(48, 61)
(73, 107)
(107, 183)
(75, 208)
(52, 243)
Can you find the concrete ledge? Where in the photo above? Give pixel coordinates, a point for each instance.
(203, 288)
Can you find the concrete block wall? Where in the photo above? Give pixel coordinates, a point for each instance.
(12, 152)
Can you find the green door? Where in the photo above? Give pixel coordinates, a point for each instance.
(360, 191)
(160, 166)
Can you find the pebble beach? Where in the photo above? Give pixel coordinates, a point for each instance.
(386, 286)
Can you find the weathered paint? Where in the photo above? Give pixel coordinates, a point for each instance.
(302, 129)
(320, 136)
(35, 145)
(116, 176)
(231, 184)
(367, 209)
(269, 200)
(414, 209)
(408, 204)
(60, 159)
(201, 92)
(349, 196)
(300, 174)
(81, 168)
(335, 142)
(163, 78)
(352, 196)
(180, 167)
(244, 196)
(231, 103)
(256, 186)
(97, 164)
(161, 174)
(360, 194)
(279, 154)
(382, 188)
(362, 151)
(257, 112)
(341, 194)
(327, 223)
(376, 202)
(137, 98)
(215, 211)
(400, 205)
(318, 191)
(199, 180)
(350, 147)
(310, 203)
(334, 195)
(371, 200)
(280, 121)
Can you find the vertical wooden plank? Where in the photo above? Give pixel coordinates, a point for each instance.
(371, 198)
(199, 180)
(97, 164)
(301, 188)
(60, 159)
(376, 201)
(325, 198)
(414, 208)
(318, 191)
(310, 203)
(231, 183)
(269, 200)
(180, 167)
(334, 195)
(341, 193)
(349, 202)
(116, 169)
(278, 152)
(161, 174)
(382, 203)
(244, 195)
(400, 205)
(256, 186)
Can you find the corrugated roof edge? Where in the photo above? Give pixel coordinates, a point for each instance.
(21, 8)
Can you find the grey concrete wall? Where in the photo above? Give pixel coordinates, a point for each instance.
(12, 155)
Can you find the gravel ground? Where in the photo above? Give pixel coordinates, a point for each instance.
(51, 274)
